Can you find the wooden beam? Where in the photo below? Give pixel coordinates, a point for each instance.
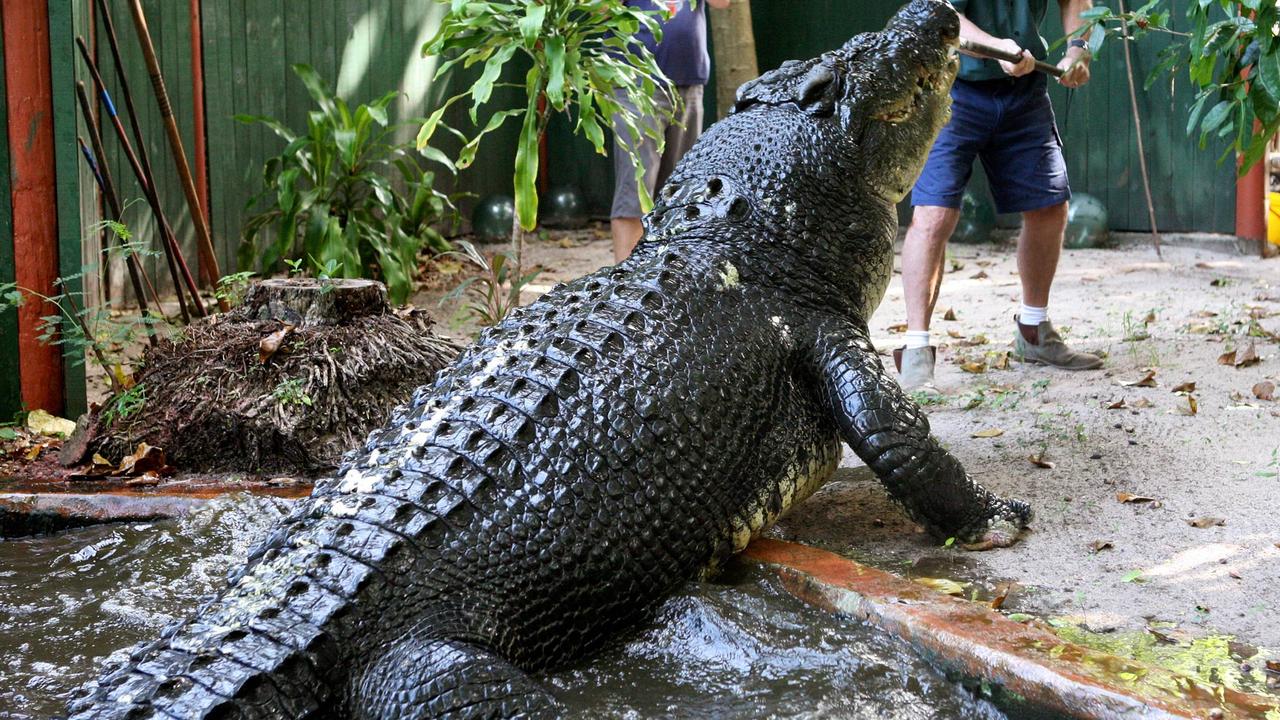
(29, 88)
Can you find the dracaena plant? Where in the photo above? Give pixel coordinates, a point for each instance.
(345, 196)
(582, 62)
(1230, 49)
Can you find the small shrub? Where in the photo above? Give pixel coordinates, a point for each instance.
(344, 194)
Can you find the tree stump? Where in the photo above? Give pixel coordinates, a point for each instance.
(285, 383)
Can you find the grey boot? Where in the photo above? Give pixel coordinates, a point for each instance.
(1042, 345)
(915, 366)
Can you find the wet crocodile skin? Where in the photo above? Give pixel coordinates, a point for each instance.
(611, 440)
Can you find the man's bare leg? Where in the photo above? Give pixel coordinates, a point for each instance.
(626, 233)
(923, 254)
(1039, 247)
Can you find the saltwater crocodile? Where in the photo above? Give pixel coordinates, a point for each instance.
(611, 440)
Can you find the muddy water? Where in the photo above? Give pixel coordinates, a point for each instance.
(736, 648)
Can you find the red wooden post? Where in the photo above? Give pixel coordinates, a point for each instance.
(198, 110)
(1251, 202)
(29, 89)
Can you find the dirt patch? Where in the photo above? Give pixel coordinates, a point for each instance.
(1202, 554)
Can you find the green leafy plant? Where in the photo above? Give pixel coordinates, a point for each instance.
(1231, 54)
(581, 63)
(125, 405)
(233, 287)
(345, 192)
(291, 392)
(494, 291)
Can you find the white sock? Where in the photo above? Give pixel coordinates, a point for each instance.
(917, 339)
(1033, 316)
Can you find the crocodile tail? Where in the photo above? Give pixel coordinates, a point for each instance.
(212, 671)
(265, 649)
(421, 677)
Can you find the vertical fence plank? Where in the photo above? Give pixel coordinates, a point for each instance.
(10, 385)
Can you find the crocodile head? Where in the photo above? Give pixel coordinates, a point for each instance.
(875, 105)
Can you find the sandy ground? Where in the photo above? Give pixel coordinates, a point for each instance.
(1146, 314)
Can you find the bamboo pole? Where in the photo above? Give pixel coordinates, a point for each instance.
(204, 240)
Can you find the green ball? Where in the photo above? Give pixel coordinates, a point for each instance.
(1086, 222)
(564, 207)
(977, 220)
(493, 216)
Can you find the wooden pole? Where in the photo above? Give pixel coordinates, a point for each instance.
(178, 269)
(29, 88)
(199, 131)
(204, 241)
(1137, 129)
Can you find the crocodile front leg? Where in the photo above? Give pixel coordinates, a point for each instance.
(891, 435)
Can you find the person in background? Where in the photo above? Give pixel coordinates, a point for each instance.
(682, 57)
(1000, 114)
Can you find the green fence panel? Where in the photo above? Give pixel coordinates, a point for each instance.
(10, 385)
(1191, 191)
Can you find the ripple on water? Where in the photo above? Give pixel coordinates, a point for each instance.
(737, 648)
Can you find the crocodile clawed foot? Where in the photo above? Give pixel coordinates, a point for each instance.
(1002, 529)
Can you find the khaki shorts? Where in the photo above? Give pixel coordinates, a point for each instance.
(681, 133)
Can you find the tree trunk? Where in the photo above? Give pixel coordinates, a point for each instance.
(735, 52)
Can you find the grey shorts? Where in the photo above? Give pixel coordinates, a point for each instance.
(680, 133)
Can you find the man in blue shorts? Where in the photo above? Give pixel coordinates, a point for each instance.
(682, 57)
(1001, 115)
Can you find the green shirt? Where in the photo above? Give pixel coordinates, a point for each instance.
(1018, 20)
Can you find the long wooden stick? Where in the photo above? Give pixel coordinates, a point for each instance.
(1137, 129)
(204, 240)
(178, 269)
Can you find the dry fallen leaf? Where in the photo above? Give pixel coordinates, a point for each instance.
(1191, 408)
(1148, 379)
(1186, 387)
(943, 585)
(1265, 390)
(1227, 358)
(1040, 461)
(1235, 574)
(1206, 522)
(980, 275)
(1001, 361)
(988, 433)
(1100, 545)
(1117, 405)
(1248, 356)
(1204, 314)
(145, 458)
(974, 367)
(1002, 593)
(1125, 497)
(34, 451)
(950, 314)
(270, 344)
(954, 334)
(1143, 403)
(1204, 265)
(1150, 318)
(897, 328)
(567, 243)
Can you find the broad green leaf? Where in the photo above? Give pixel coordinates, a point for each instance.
(483, 87)
(531, 24)
(1216, 117)
(526, 176)
(554, 49)
(316, 87)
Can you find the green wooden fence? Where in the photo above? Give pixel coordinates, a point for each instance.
(368, 46)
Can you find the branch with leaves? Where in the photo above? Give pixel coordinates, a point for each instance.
(1232, 55)
(583, 62)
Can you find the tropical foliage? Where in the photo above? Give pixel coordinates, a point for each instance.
(344, 196)
(1231, 53)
